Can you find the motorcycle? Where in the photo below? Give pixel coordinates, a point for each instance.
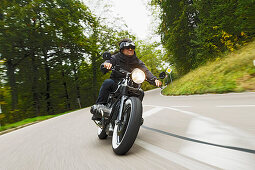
(122, 116)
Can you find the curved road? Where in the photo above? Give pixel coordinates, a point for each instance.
(179, 132)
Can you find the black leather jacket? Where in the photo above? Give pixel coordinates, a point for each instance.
(128, 63)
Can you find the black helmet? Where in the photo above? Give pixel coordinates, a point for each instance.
(126, 43)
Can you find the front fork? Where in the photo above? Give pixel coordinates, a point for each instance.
(123, 98)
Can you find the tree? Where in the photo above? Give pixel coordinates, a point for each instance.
(151, 55)
(223, 26)
(195, 31)
(52, 53)
(177, 32)
(36, 37)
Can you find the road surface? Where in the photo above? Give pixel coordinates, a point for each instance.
(214, 131)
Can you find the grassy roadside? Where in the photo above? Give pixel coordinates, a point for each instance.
(10, 127)
(233, 73)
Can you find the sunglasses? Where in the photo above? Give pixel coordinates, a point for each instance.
(127, 45)
(130, 47)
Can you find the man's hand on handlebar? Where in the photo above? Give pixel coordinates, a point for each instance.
(158, 83)
(108, 66)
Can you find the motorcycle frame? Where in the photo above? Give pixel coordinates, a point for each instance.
(123, 89)
(123, 98)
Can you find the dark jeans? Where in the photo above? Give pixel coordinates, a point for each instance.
(107, 87)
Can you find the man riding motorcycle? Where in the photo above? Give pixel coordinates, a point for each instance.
(126, 59)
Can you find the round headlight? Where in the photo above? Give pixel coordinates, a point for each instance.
(138, 76)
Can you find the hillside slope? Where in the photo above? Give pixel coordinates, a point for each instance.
(233, 73)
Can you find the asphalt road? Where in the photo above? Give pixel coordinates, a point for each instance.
(181, 132)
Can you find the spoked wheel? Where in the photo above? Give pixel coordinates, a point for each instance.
(125, 132)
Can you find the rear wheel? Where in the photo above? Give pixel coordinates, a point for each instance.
(125, 132)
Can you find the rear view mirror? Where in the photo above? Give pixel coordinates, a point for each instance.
(107, 55)
(162, 75)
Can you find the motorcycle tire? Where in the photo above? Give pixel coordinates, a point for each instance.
(101, 133)
(124, 135)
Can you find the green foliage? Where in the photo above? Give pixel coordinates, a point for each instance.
(35, 38)
(221, 26)
(151, 56)
(45, 46)
(196, 31)
(177, 30)
(235, 72)
(50, 53)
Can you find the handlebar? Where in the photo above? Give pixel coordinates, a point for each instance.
(117, 68)
(127, 73)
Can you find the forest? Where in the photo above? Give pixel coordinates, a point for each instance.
(50, 50)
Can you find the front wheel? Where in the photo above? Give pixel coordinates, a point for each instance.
(125, 132)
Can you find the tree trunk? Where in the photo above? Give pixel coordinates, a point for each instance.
(12, 83)
(35, 86)
(68, 105)
(77, 87)
(94, 79)
(78, 93)
(48, 86)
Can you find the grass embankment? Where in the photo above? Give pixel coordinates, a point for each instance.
(26, 122)
(234, 72)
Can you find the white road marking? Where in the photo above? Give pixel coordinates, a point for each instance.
(174, 157)
(177, 106)
(217, 124)
(222, 158)
(213, 131)
(157, 109)
(152, 90)
(236, 106)
(180, 106)
(152, 111)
